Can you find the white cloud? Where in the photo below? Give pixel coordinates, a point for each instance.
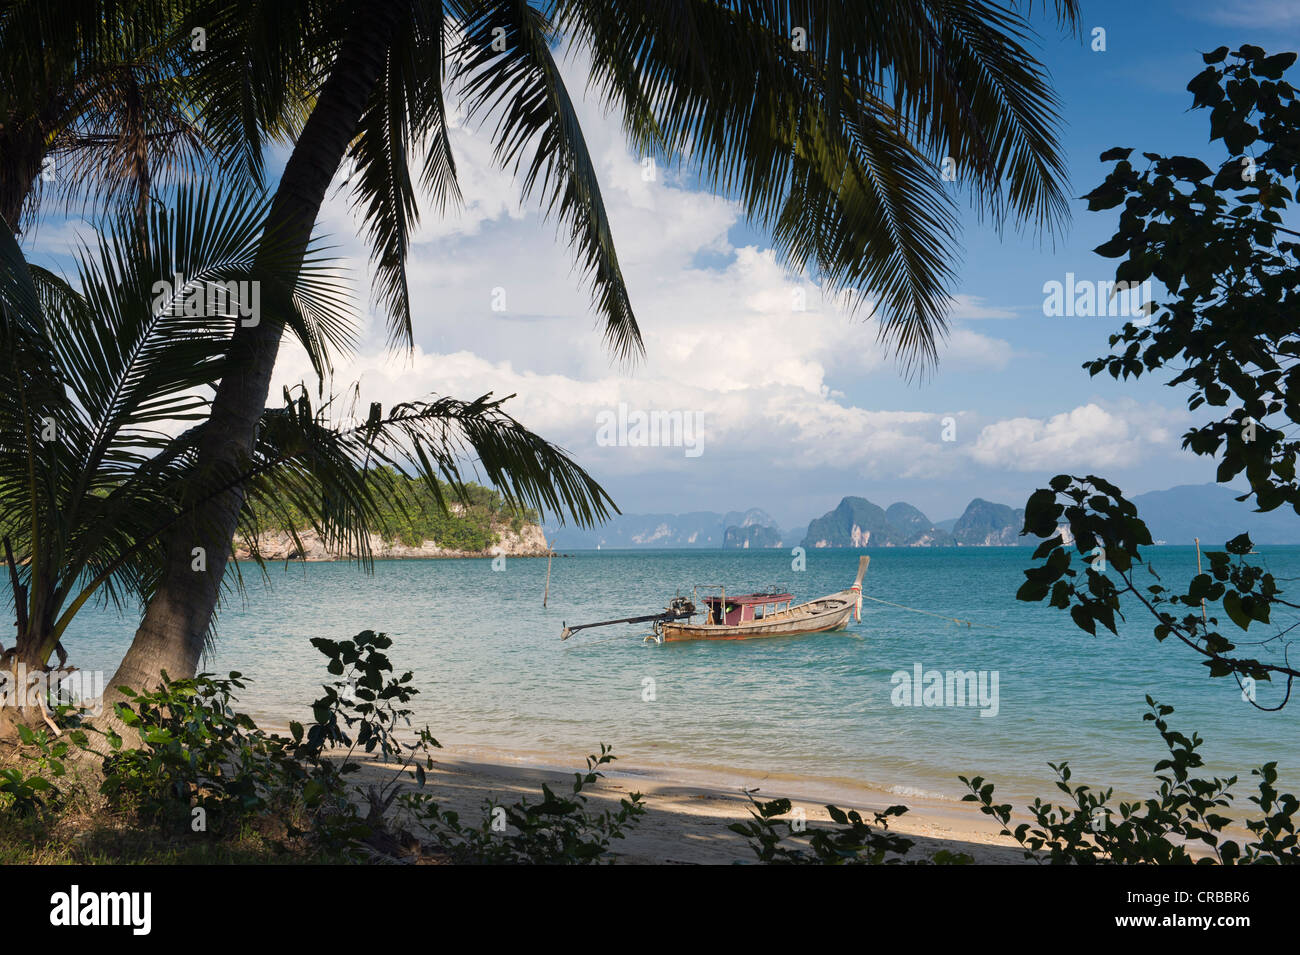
(967, 307)
(729, 332)
(1274, 14)
(1088, 436)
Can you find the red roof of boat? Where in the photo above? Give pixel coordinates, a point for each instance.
(743, 599)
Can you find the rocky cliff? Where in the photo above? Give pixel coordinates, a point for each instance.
(856, 522)
(529, 541)
(915, 529)
(859, 523)
(985, 524)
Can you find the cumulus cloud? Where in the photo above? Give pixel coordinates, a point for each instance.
(1088, 436)
(759, 352)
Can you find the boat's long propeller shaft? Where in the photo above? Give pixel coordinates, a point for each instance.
(648, 618)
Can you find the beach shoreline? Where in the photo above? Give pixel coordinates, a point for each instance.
(689, 810)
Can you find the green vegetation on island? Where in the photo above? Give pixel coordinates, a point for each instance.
(408, 512)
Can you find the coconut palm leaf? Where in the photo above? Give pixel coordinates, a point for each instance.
(406, 110)
(99, 376)
(832, 143)
(101, 369)
(127, 98)
(335, 467)
(506, 72)
(261, 70)
(830, 122)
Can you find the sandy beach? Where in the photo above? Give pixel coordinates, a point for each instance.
(689, 812)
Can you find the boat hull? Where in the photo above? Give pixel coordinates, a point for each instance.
(816, 616)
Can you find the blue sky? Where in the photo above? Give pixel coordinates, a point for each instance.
(805, 408)
(1132, 94)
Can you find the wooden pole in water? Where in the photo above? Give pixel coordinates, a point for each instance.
(546, 595)
(1204, 619)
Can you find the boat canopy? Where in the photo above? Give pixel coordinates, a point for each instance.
(741, 607)
(745, 599)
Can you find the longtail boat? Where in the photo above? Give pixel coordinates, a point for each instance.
(745, 616)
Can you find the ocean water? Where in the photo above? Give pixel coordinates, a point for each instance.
(493, 673)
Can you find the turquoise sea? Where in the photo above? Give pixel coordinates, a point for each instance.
(493, 673)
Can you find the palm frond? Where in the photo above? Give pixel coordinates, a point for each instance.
(829, 122)
(257, 78)
(99, 373)
(97, 376)
(507, 72)
(382, 187)
(323, 463)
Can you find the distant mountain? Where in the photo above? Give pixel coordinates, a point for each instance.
(856, 522)
(1212, 513)
(917, 529)
(755, 535)
(756, 529)
(754, 517)
(1175, 516)
(985, 524)
(696, 529)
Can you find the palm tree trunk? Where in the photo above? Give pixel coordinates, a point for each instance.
(174, 630)
(138, 163)
(22, 150)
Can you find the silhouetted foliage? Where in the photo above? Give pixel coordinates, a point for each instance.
(1214, 239)
(1185, 811)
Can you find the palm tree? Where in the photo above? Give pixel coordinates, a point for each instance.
(100, 105)
(829, 120)
(94, 369)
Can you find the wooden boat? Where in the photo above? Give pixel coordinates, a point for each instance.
(746, 616)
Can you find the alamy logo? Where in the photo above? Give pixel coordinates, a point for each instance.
(209, 299)
(39, 689)
(74, 908)
(651, 429)
(1084, 298)
(922, 687)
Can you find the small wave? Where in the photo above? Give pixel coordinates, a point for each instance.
(914, 792)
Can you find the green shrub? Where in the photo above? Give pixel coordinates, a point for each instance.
(199, 759)
(556, 830)
(779, 841)
(1185, 811)
(200, 766)
(27, 795)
